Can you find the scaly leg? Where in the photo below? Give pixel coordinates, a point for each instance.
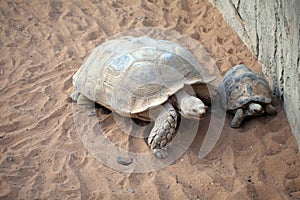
(163, 130)
(270, 109)
(238, 118)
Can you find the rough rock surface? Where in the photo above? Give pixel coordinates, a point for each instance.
(270, 29)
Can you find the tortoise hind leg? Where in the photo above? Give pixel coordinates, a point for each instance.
(270, 109)
(74, 96)
(163, 130)
(238, 118)
(83, 101)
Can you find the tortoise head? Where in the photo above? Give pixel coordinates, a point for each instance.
(255, 109)
(192, 108)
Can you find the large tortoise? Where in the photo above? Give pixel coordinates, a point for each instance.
(143, 78)
(247, 93)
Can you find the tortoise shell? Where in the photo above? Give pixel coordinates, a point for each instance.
(132, 74)
(242, 85)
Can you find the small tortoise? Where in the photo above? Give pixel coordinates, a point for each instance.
(143, 78)
(247, 93)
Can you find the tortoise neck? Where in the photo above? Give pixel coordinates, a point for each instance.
(180, 96)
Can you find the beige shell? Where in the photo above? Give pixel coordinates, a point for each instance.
(132, 74)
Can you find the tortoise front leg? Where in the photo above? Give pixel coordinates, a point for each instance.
(163, 130)
(270, 109)
(238, 118)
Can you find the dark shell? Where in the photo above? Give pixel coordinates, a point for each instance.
(242, 85)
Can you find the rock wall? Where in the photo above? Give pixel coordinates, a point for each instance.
(270, 29)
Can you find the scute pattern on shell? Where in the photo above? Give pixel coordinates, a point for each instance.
(243, 85)
(129, 75)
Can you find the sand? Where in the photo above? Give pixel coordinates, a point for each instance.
(43, 43)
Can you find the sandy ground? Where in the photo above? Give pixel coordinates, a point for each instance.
(43, 43)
